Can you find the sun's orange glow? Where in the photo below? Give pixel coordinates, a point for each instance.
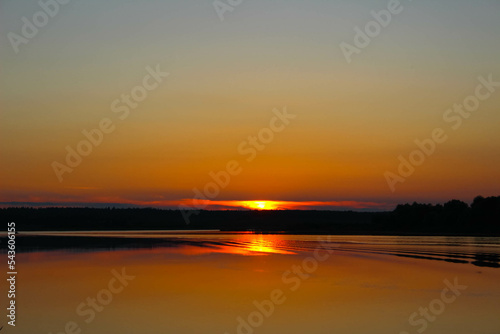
(261, 205)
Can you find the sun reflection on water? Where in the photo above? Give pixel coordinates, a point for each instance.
(264, 244)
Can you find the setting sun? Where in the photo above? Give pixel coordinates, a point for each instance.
(261, 205)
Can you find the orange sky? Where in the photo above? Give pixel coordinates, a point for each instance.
(226, 82)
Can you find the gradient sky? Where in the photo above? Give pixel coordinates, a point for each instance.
(353, 120)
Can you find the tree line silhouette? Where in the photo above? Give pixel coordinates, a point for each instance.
(454, 217)
(482, 216)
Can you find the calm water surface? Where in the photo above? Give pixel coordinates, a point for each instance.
(253, 283)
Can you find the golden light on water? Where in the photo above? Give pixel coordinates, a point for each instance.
(264, 244)
(245, 244)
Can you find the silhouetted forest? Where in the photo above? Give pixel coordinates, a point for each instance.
(482, 216)
(455, 217)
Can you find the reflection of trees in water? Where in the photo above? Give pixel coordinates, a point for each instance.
(255, 243)
(77, 244)
(487, 260)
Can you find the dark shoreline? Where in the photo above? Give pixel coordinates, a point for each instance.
(454, 218)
